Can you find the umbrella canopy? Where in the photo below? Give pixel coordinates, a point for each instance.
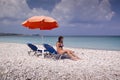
(40, 22)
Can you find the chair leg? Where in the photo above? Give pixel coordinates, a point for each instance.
(46, 54)
(35, 53)
(29, 52)
(60, 57)
(38, 53)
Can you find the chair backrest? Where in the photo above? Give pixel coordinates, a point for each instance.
(50, 49)
(33, 47)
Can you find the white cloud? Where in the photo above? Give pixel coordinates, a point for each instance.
(17, 9)
(83, 10)
(95, 10)
(66, 11)
(38, 11)
(13, 8)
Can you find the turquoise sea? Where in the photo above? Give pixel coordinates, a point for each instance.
(91, 42)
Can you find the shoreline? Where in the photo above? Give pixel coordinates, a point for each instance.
(64, 47)
(101, 43)
(15, 63)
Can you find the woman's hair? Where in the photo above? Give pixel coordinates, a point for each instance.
(59, 39)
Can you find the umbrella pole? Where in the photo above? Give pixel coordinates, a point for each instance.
(42, 39)
(42, 44)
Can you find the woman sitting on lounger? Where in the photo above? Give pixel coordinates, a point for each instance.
(60, 49)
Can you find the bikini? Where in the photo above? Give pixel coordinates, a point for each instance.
(61, 45)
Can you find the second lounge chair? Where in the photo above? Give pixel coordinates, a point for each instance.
(52, 52)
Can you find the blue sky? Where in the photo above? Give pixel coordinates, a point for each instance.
(75, 17)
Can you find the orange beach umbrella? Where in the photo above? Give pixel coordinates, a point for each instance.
(40, 22)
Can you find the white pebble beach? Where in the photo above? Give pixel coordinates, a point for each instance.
(16, 64)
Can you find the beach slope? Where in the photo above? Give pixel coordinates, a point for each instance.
(16, 64)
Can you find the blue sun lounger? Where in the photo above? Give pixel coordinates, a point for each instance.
(52, 52)
(34, 49)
